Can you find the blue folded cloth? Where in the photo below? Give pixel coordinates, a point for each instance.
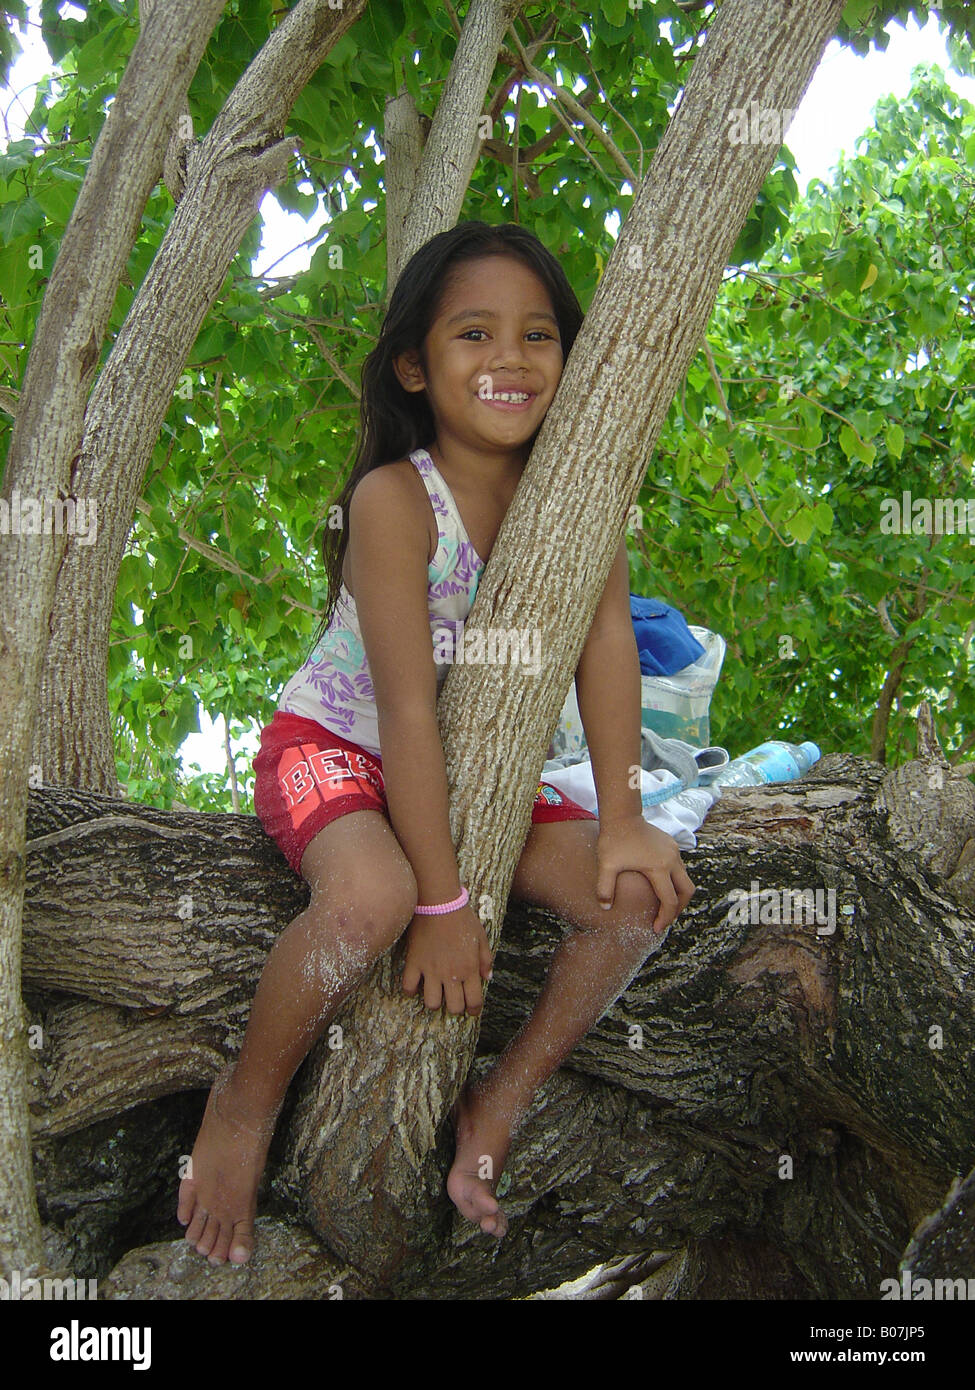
(665, 642)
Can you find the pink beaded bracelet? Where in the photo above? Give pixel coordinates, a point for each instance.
(447, 907)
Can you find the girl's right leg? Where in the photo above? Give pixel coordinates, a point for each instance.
(363, 898)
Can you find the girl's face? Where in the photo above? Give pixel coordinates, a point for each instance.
(495, 333)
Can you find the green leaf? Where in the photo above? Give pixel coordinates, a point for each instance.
(822, 515)
(616, 12)
(849, 442)
(19, 155)
(709, 472)
(186, 721)
(856, 12)
(802, 524)
(894, 437)
(20, 219)
(855, 447)
(57, 198)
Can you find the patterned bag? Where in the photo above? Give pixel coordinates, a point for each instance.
(674, 706)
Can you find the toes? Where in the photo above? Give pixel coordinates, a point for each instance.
(484, 1203)
(495, 1225)
(209, 1237)
(221, 1245)
(243, 1243)
(186, 1203)
(195, 1229)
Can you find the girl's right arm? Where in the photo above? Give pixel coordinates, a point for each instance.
(388, 549)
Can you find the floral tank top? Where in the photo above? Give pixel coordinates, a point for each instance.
(334, 686)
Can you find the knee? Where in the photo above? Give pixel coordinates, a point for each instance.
(365, 915)
(634, 903)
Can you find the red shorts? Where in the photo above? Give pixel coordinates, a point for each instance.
(306, 776)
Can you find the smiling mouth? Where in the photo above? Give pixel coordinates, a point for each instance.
(509, 400)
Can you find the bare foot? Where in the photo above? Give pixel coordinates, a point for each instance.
(218, 1199)
(482, 1147)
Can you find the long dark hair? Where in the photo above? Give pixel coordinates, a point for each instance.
(394, 422)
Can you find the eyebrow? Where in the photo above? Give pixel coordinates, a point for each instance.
(490, 314)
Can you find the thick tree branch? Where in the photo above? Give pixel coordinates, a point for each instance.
(739, 1040)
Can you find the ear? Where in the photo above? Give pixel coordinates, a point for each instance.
(409, 372)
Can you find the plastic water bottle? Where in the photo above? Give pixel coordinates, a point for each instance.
(773, 761)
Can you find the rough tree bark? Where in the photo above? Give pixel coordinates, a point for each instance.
(42, 464)
(659, 1149)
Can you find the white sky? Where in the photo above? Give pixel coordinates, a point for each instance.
(836, 109)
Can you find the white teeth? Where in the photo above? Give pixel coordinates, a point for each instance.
(508, 396)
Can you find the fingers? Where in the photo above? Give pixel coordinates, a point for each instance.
(685, 888)
(432, 992)
(454, 996)
(437, 992)
(473, 996)
(606, 886)
(668, 906)
(459, 996)
(674, 891)
(463, 996)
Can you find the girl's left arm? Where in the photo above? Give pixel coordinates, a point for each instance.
(608, 690)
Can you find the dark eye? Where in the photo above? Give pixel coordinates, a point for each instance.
(468, 331)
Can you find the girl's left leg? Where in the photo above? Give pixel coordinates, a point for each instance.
(590, 969)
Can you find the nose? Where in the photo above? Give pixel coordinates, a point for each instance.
(509, 351)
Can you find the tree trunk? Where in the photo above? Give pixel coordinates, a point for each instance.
(41, 465)
(740, 1044)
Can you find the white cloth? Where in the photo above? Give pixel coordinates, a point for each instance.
(679, 816)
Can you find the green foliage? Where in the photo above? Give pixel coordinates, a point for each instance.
(846, 360)
(863, 23)
(763, 527)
